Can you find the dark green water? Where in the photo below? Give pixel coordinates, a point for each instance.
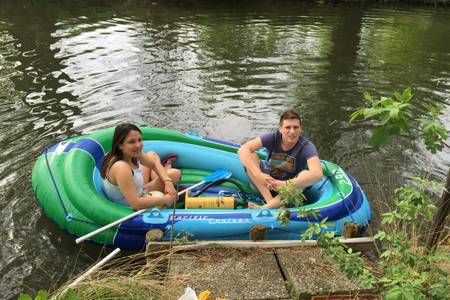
(225, 68)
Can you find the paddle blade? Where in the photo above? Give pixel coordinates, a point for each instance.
(218, 175)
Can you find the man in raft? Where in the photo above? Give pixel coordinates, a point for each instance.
(291, 157)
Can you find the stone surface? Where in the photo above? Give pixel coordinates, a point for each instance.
(231, 273)
(310, 274)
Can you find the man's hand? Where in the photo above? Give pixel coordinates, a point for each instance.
(275, 184)
(265, 179)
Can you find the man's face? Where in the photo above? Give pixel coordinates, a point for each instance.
(290, 129)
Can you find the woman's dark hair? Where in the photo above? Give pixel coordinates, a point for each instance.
(289, 115)
(120, 133)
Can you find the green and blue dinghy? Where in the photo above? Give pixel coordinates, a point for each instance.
(68, 186)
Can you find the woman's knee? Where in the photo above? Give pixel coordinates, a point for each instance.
(174, 174)
(152, 155)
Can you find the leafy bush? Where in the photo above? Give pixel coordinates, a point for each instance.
(405, 269)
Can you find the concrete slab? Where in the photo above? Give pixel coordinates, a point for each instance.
(308, 273)
(231, 273)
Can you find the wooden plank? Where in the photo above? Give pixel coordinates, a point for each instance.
(352, 242)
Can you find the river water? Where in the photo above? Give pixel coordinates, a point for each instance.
(223, 68)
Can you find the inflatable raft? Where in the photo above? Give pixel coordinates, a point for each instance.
(68, 186)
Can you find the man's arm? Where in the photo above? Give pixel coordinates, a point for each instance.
(310, 176)
(305, 178)
(250, 160)
(246, 154)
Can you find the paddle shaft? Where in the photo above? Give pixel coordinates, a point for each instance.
(94, 268)
(136, 213)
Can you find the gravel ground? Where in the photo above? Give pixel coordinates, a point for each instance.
(311, 274)
(282, 273)
(232, 273)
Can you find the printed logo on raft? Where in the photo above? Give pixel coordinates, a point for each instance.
(213, 220)
(341, 177)
(189, 217)
(230, 221)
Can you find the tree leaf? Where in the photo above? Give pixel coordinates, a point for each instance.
(368, 97)
(357, 114)
(407, 95)
(371, 112)
(41, 295)
(379, 138)
(403, 293)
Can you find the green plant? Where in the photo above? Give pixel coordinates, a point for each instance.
(405, 269)
(41, 295)
(70, 294)
(183, 237)
(315, 229)
(394, 116)
(291, 196)
(408, 270)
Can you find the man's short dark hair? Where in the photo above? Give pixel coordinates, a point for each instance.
(289, 115)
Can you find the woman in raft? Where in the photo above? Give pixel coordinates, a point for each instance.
(134, 178)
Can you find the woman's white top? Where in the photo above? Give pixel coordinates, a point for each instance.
(113, 192)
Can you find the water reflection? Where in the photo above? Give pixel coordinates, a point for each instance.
(225, 69)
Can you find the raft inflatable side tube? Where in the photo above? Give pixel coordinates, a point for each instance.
(68, 186)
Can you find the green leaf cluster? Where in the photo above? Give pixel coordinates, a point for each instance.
(408, 271)
(70, 294)
(316, 230)
(41, 295)
(291, 196)
(432, 130)
(393, 116)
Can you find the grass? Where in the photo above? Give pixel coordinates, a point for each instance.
(128, 277)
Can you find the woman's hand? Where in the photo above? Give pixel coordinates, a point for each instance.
(169, 188)
(169, 199)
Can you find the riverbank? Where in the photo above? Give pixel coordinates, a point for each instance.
(235, 270)
(409, 2)
(257, 272)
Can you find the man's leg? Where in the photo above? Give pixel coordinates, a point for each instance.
(260, 185)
